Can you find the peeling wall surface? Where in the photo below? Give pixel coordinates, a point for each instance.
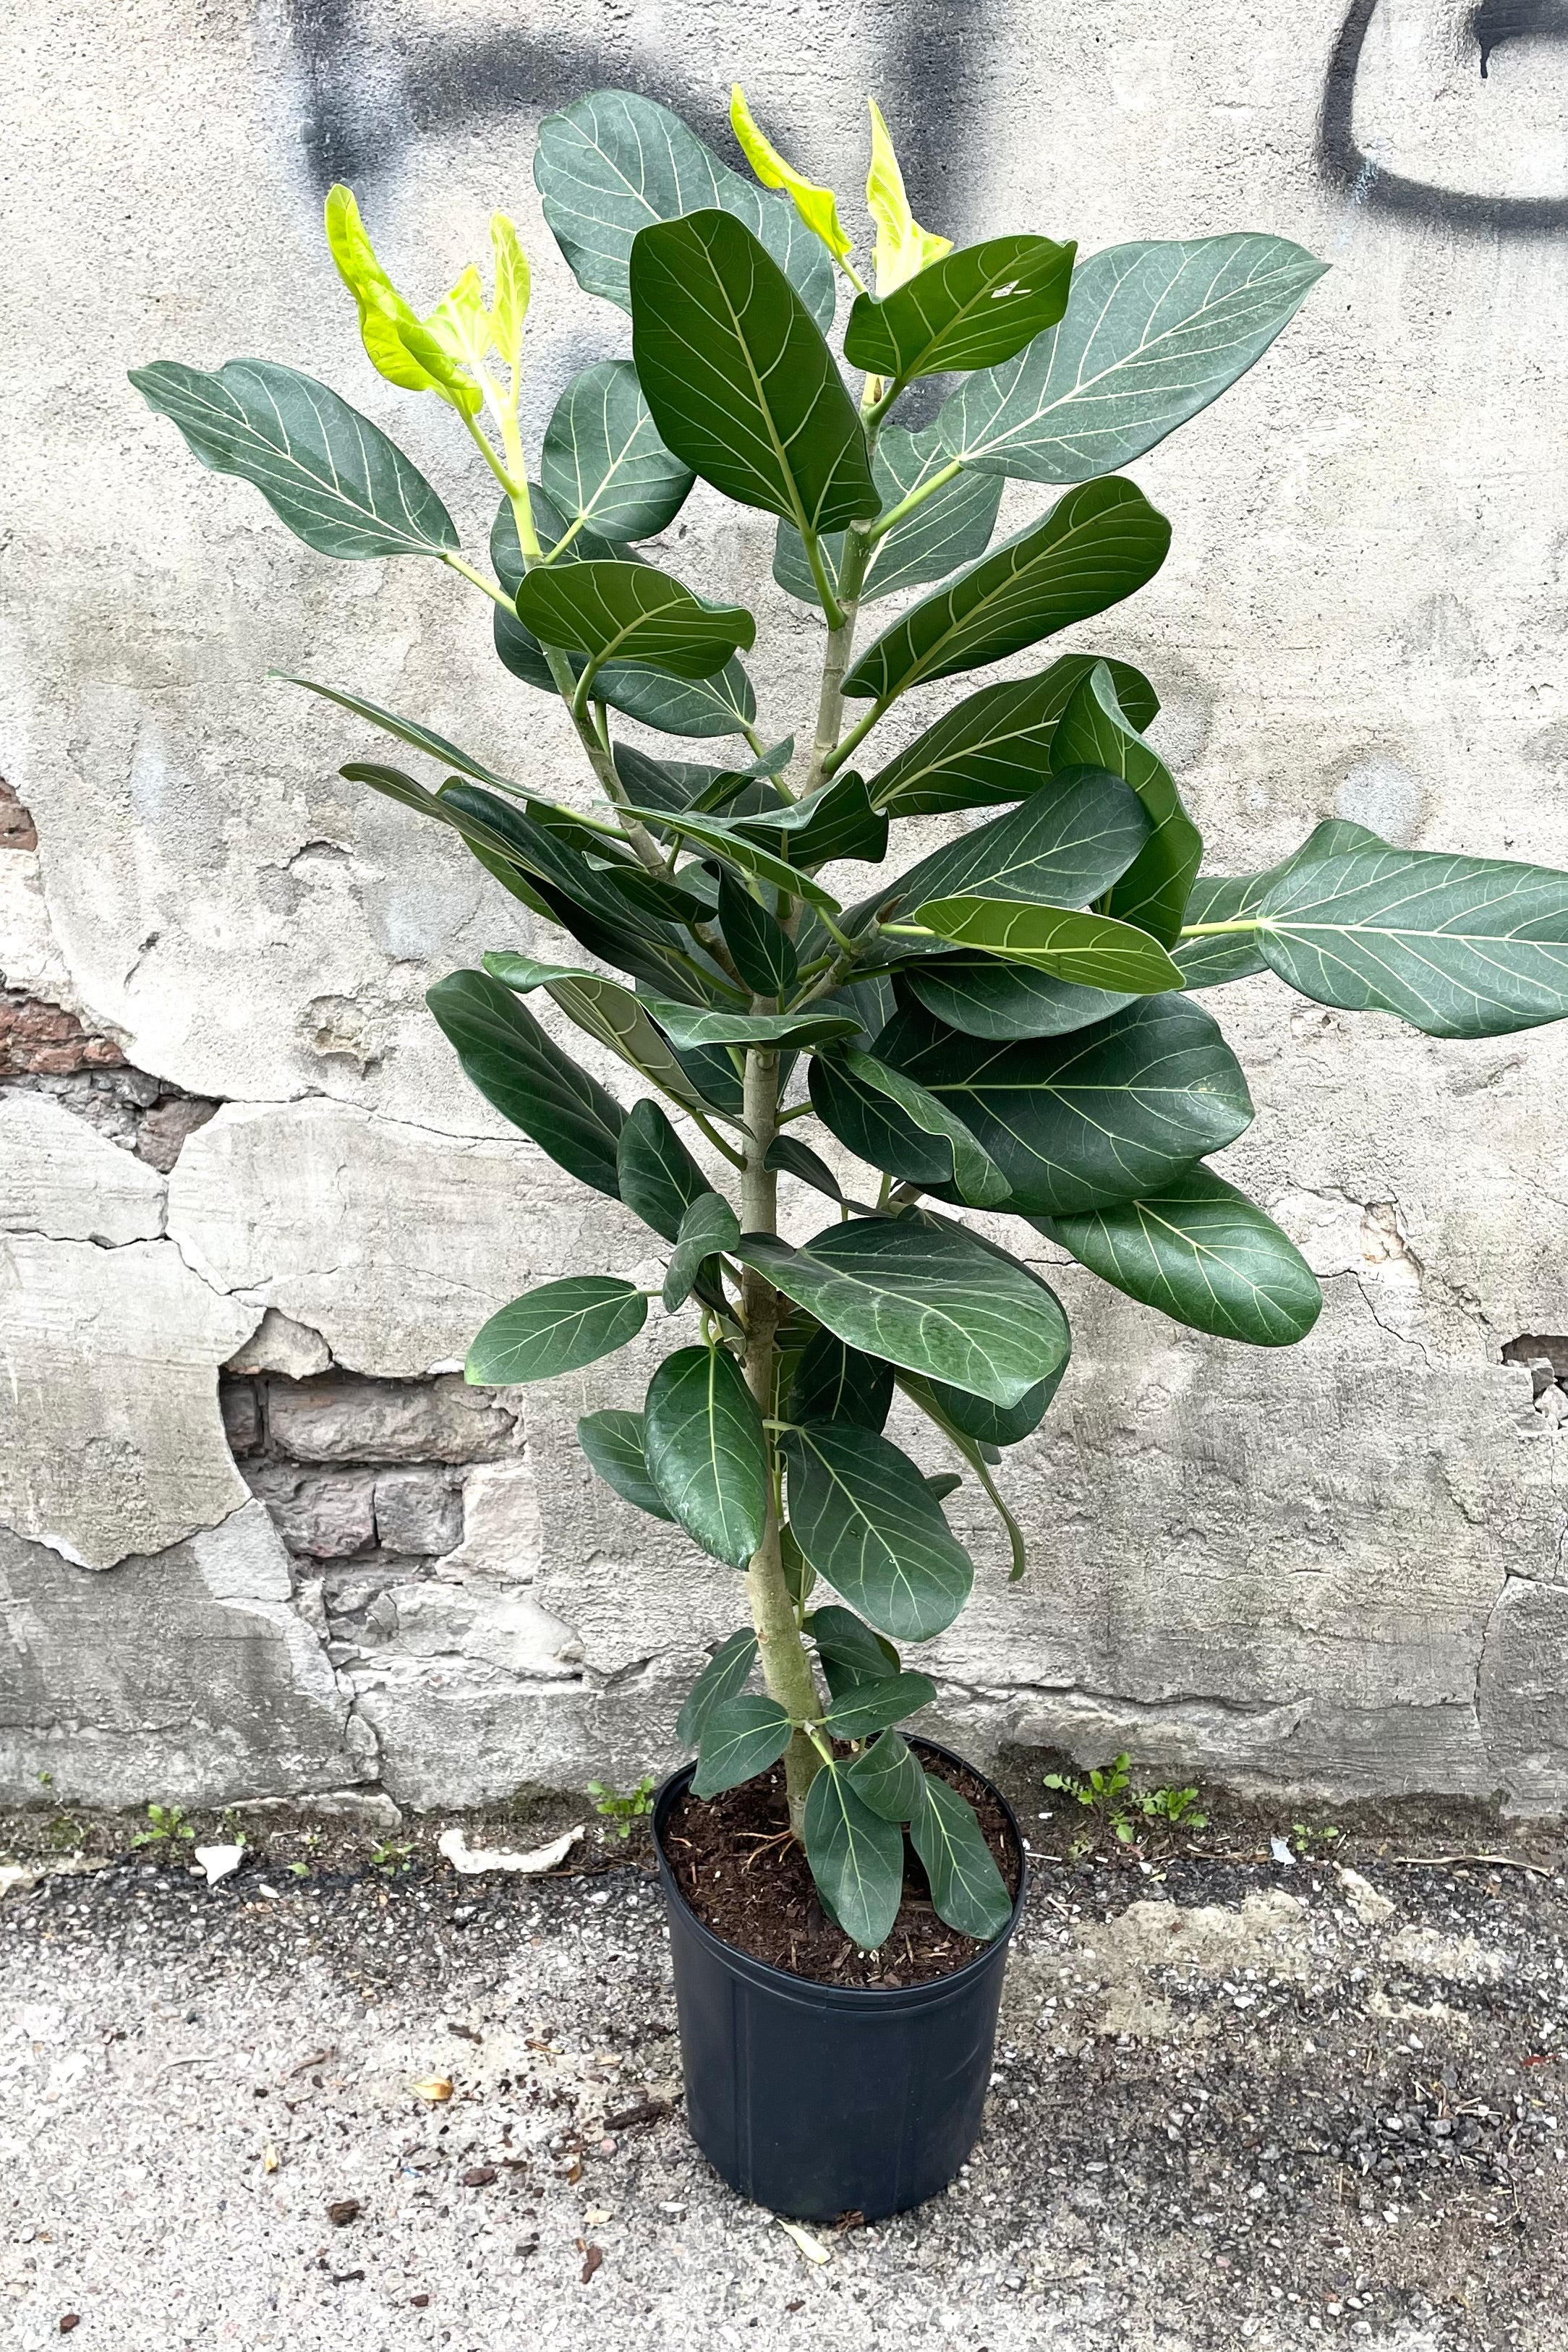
(255, 1535)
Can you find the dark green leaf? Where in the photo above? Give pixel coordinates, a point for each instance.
(324, 469)
(798, 1573)
(888, 1779)
(612, 162)
(872, 1707)
(529, 1080)
(1225, 898)
(1089, 949)
(709, 1224)
(602, 463)
(761, 950)
(788, 1155)
(972, 1416)
(630, 612)
(837, 822)
(411, 732)
(978, 1453)
(1459, 946)
(1094, 731)
(695, 1024)
(837, 1382)
(966, 1886)
(973, 309)
(480, 838)
(929, 1300)
(1099, 544)
(987, 999)
(720, 836)
(656, 1175)
(857, 1859)
(863, 1517)
(996, 745)
(886, 1117)
(554, 1330)
(613, 1443)
(742, 387)
(1152, 333)
(741, 1739)
(850, 1651)
(721, 1679)
(940, 1484)
(1077, 1122)
(951, 526)
(703, 1436)
(1202, 1253)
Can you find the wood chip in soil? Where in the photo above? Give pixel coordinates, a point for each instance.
(747, 1879)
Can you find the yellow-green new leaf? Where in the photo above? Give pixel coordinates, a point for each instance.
(514, 286)
(903, 248)
(1095, 951)
(818, 207)
(398, 345)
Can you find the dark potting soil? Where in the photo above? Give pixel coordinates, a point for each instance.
(745, 1878)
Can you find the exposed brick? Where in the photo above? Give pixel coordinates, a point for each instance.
(418, 1511)
(17, 830)
(241, 1415)
(166, 1126)
(38, 1040)
(328, 1514)
(342, 1418)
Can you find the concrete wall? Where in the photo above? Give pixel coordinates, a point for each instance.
(231, 1136)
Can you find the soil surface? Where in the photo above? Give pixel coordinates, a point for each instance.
(1238, 2102)
(746, 1878)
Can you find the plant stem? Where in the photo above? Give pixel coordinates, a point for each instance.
(835, 658)
(786, 1669)
(1213, 930)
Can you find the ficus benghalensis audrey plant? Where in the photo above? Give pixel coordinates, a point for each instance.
(1012, 1023)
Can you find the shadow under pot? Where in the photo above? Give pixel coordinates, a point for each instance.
(817, 2100)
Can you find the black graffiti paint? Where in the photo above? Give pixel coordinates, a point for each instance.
(1488, 26)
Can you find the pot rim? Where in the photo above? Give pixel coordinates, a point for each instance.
(786, 1980)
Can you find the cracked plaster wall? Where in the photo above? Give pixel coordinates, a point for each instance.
(1340, 1571)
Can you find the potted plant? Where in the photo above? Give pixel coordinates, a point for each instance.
(1017, 1023)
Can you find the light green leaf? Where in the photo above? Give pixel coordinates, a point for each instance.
(857, 1859)
(863, 1517)
(1459, 946)
(721, 837)
(949, 1147)
(974, 308)
(903, 248)
(512, 288)
(742, 387)
(694, 1024)
(1099, 544)
(818, 207)
(1061, 847)
(888, 1779)
(703, 1436)
(658, 1178)
(417, 354)
(324, 469)
(612, 163)
(966, 1887)
(602, 463)
(1095, 731)
(529, 1080)
(613, 1443)
(741, 1739)
(987, 999)
(929, 1300)
(605, 1010)
(710, 1224)
(721, 1679)
(1202, 1253)
(1152, 333)
(996, 745)
(554, 1330)
(1077, 1122)
(950, 526)
(621, 614)
(1207, 962)
(1093, 951)
(872, 1707)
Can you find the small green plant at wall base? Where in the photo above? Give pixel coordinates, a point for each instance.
(392, 1858)
(621, 1813)
(166, 1826)
(1310, 1839)
(1175, 1809)
(1108, 1793)
(1015, 1023)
